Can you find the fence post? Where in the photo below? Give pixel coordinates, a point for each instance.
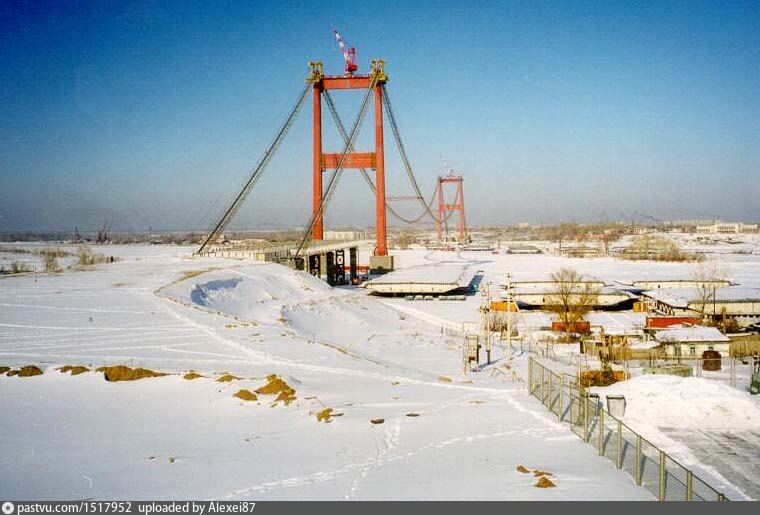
(601, 432)
(530, 376)
(549, 397)
(662, 475)
(542, 383)
(638, 460)
(688, 485)
(561, 395)
(586, 436)
(733, 372)
(619, 444)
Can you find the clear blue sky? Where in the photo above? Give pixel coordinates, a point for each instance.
(150, 113)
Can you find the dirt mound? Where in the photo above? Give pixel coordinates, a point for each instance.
(325, 415)
(544, 482)
(275, 385)
(522, 469)
(4, 369)
(226, 378)
(192, 375)
(412, 414)
(245, 395)
(377, 421)
(27, 371)
(444, 379)
(75, 370)
(538, 473)
(124, 373)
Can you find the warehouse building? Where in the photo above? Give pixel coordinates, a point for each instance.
(740, 304)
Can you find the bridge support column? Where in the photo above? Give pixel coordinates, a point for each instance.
(352, 260)
(314, 265)
(330, 267)
(340, 266)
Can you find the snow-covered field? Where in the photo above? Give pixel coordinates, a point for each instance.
(444, 435)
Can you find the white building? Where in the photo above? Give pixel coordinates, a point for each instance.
(727, 228)
(693, 341)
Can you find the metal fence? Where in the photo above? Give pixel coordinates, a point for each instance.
(648, 465)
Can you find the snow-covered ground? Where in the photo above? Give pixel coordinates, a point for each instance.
(73, 437)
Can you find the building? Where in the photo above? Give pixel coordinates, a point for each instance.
(692, 341)
(740, 304)
(669, 284)
(727, 228)
(541, 292)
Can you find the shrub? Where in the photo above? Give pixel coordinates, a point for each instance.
(50, 258)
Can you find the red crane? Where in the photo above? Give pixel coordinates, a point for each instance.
(349, 54)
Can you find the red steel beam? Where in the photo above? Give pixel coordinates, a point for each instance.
(382, 239)
(355, 160)
(355, 82)
(318, 232)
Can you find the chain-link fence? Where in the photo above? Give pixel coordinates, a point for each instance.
(648, 465)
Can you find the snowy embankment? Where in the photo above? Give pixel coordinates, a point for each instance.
(408, 424)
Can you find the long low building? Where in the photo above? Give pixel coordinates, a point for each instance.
(428, 279)
(541, 292)
(742, 304)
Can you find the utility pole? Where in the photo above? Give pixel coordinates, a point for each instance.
(509, 313)
(485, 309)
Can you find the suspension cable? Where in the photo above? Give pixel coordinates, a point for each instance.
(402, 151)
(257, 172)
(365, 174)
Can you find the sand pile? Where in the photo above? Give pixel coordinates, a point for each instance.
(544, 482)
(192, 375)
(275, 385)
(124, 373)
(245, 395)
(325, 415)
(27, 371)
(4, 369)
(74, 370)
(226, 378)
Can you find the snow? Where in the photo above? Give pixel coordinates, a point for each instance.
(705, 425)
(685, 403)
(82, 437)
(697, 333)
(447, 274)
(681, 297)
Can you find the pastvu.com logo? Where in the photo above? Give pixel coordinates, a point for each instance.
(8, 508)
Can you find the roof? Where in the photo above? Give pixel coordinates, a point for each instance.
(697, 333)
(682, 297)
(427, 274)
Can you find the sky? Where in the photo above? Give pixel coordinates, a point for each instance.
(152, 114)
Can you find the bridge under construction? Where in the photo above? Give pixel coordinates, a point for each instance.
(310, 251)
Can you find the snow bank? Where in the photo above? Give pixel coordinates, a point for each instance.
(253, 292)
(684, 402)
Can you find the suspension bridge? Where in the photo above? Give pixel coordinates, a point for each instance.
(310, 250)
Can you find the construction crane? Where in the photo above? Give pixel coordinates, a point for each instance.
(349, 54)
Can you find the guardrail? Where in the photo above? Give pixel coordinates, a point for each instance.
(648, 465)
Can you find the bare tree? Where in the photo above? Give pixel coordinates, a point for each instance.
(572, 297)
(709, 277)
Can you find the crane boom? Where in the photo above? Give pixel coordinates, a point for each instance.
(349, 54)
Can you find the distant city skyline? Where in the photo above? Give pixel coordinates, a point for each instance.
(152, 114)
